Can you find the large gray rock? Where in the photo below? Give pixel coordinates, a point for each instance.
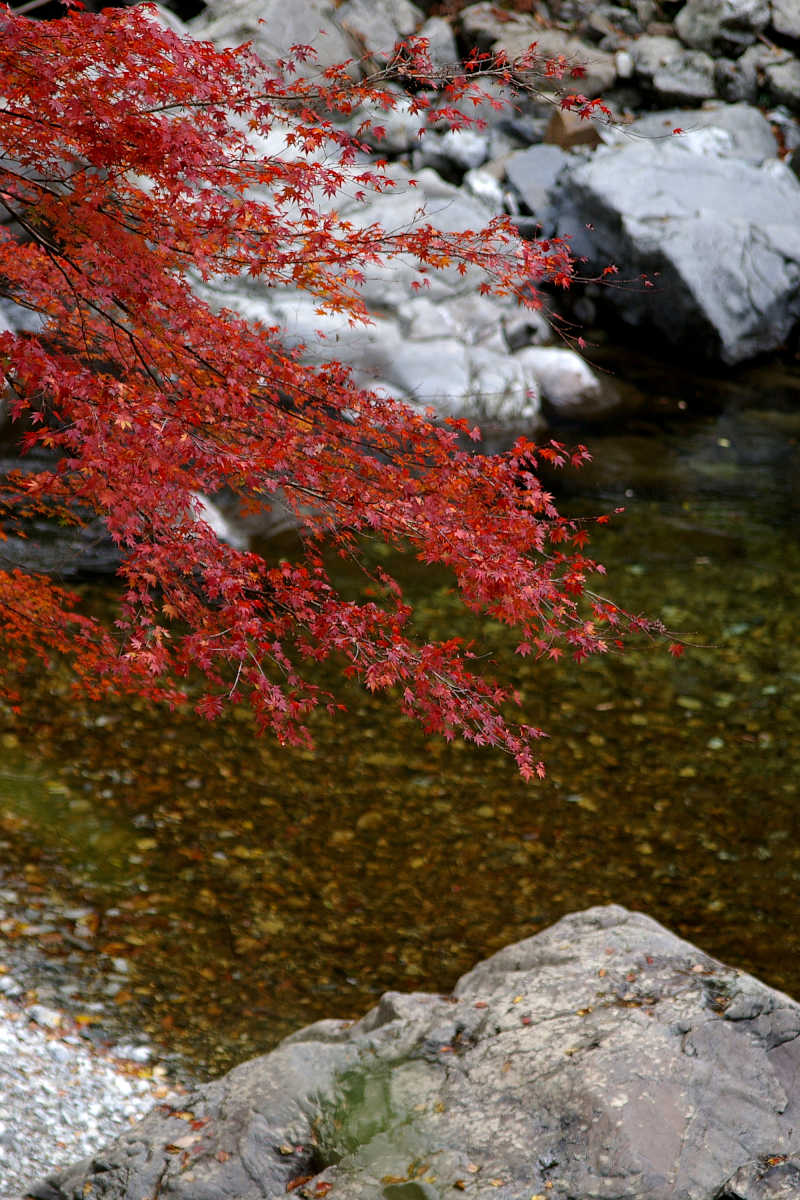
(651, 53)
(376, 25)
(783, 80)
(687, 78)
(786, 17)
(603, 1059)
(485, 23)
(273, 26)
(722, 25)
(749, 133)
(337, 32)
(533, 172)
(489, 26)
(600, 65)
(718, 238)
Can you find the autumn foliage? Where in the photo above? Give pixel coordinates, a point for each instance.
(131, 173)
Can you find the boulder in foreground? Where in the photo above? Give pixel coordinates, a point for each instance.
(603, 1059)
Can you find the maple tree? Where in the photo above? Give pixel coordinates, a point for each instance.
(130, 168)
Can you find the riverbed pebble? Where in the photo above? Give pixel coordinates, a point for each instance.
(61, 1099)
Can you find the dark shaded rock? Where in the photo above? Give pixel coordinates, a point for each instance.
(773, 1178)
(604, 1059)
(740, 79)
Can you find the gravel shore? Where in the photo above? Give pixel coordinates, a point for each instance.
(61, 1098)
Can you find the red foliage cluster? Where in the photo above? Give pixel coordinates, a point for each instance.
(131, 166)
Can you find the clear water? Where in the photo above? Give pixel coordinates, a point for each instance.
(252, 889)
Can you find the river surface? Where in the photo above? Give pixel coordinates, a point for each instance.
(224, 891)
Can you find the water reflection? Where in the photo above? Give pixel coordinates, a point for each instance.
(251, 889)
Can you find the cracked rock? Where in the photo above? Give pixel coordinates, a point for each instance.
(596, 1058)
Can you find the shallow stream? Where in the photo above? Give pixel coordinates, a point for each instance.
(216, 892)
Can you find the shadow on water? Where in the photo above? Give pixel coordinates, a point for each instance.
(250, 889)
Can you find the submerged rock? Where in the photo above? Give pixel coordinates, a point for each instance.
(602, 1058)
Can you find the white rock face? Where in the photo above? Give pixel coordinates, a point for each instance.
(567, 383)
(443, 345)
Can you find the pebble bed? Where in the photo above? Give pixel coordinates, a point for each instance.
(61, 1098)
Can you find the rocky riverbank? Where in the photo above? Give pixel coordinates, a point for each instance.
(700, 223)
(61, 1097)
(603, 1057)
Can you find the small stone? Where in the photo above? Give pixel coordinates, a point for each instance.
(48, 1018)
(59, 1051)
(139, 1054)
(484, 187)
(10, 986)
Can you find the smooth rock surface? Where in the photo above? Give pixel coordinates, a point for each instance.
(568, 384)
(687, 78)
(786, 17)
(749, 133)
(376, 25)
(602, 1059)
(533, 173)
